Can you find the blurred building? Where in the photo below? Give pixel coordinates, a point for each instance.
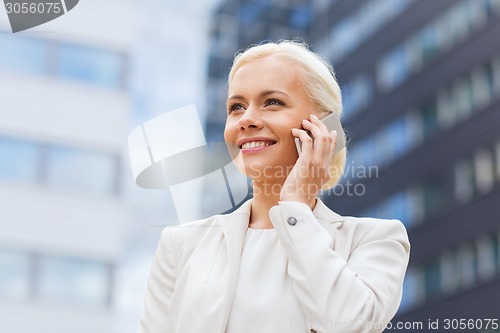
(236, 24)
(64, 112)
(421, 94)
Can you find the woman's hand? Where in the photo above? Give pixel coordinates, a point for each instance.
(311, 171)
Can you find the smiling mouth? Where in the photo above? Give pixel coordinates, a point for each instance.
(256, 144)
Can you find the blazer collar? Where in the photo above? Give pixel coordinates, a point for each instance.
(241, 216)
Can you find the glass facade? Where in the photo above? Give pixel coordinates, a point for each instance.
(24, 55)
(451, 105)
(346, 35)
(57, 166)
(99, 67)
(445, 31)
(79, 63)
(412, 205)
(27, 275)
(475, 174)
(73, 280)
(15, 272)
(455, 269)
(356, 94)
(81, 170)
(18, 160)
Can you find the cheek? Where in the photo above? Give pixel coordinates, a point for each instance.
(229, 131)
(230, 137)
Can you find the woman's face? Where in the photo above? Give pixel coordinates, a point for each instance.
(266, 99)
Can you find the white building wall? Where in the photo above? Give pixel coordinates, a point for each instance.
(58, 230)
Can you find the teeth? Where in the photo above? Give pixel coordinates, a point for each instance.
(255, 144)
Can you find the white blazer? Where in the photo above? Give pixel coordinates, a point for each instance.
(347, 272)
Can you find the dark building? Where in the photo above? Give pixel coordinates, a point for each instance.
(421, 94)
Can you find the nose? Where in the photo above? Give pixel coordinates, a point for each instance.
(251, 119)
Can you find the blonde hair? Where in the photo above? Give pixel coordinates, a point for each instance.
(318, 79)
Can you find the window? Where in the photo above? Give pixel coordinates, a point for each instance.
(366, 21)
(415, 127)
(413, 287)
(398, 132)
(75, 281)
(356, 94)
(464, 181)
(481, 88)
(478, 12)
(416, 207)
(430, 121)
(393, 69)
(433, 196)
(449, 271)
(485, 173)
(487, 254)
(468, 265)
(414, 53)
(251, 12)
(446, 116)
(18, 160)
(96, 66)
(446, 30)
(364, 153)
(300, 17)
(83, 170)
(77, 62)
(490, 80)
(496, 74)
(429, 42)
(14, 274)
(23, 55)
(497, 154)
(405, 206)
(463, 98)
(496, 245)
(457, 19)
(399, 207)
(344, 36)
(432, 276)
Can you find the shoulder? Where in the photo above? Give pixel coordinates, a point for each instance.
(367, 229)
(191, 229)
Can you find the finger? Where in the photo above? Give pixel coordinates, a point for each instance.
(333, 135)
(315, 120)
(321, 139)
(306, 141)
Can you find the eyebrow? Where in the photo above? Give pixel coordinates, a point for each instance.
(262, 94)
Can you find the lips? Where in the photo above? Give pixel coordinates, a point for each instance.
(253, 143)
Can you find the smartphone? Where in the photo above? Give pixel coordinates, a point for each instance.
(332, 122)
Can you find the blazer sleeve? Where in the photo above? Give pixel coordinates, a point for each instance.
(160, 287)
(360, 294)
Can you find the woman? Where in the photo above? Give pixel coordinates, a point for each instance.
(283, 262)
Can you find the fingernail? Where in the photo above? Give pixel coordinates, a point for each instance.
(334, 132)
(314, 116)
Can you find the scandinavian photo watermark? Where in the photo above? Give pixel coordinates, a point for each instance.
(26, 14)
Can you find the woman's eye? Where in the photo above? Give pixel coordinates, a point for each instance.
(235, 107)
(272, 102)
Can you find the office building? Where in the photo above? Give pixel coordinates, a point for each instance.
(421, 94)
(64, 110)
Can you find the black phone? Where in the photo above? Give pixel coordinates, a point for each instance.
(332, 122)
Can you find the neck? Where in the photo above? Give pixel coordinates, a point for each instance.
(265, 195)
